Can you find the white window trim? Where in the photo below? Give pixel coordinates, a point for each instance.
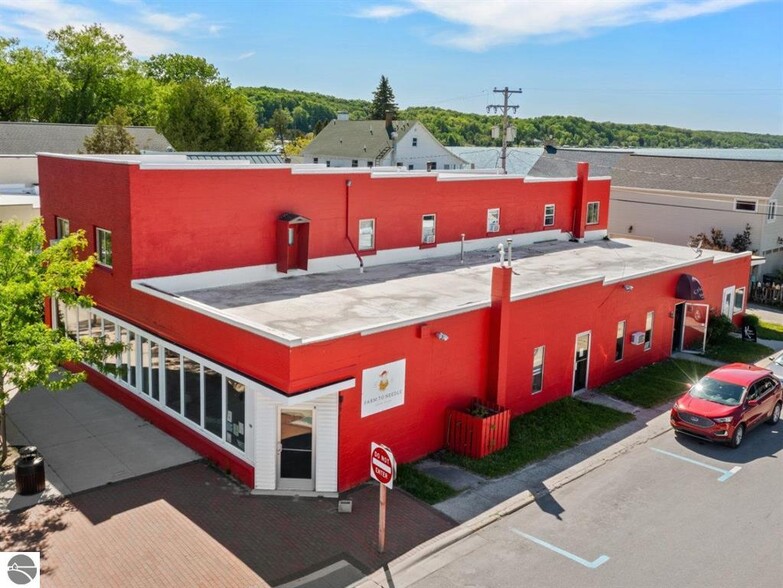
(160, 404)
(625, 330)
(554, 210)
(493, 226)
(728, 290)
(734, 308)
(597, 213)
(753, 200)
(533, 374)
(648, 344)
(359, 243)
(98, 248)
(434, 229)
(772, 211)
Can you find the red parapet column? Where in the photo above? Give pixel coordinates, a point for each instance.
(499, 333)
(580, 216)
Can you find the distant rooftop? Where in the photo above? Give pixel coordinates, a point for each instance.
(251, 156)
(314, 307)
(23, 138)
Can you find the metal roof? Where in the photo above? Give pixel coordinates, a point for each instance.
(251, 156)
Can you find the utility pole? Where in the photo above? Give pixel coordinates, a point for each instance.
(505, 108)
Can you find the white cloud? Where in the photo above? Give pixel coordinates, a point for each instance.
(481, 25)
(169, 22)
(384, 11)
(247, 55)
(214, 29)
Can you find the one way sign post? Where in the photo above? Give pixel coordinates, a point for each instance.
(382, 468)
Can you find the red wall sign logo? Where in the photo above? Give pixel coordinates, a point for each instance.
(382, 465)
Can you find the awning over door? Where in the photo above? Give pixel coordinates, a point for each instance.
(689, 288)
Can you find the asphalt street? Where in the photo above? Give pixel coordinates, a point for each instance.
(671, 512)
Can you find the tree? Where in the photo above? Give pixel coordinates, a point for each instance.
(176, 68)
(383, 100)
(295, 147)
(198, 117)
(742, 241)
(31, 86)
(280, 122)
(31, 352)
(111, 135)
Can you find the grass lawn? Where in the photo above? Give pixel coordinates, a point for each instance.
(655, 384)
(543, 432)
(769, 331)
(735, 349)
(421, 485)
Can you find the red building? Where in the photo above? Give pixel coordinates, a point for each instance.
(278, 319)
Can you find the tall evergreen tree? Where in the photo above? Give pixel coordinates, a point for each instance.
(111, 135)
(383, 100)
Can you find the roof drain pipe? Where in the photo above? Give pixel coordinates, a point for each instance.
(347, 231)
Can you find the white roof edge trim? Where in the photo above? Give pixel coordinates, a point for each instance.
(214, 313)
(301, 397)
(733, 256)
(541, 180)
(101, 159)
(466, 177)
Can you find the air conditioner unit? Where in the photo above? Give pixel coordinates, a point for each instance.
(637, 338)
(493, 228)
(429, 238)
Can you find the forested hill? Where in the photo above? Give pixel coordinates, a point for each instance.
(311, 110)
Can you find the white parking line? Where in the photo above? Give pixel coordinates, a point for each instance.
(726, 473)
(601, 559)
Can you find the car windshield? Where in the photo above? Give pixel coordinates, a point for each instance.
(717, 391)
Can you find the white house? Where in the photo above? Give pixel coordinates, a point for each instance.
(369, 143)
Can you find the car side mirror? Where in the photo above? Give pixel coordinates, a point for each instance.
(753, 402)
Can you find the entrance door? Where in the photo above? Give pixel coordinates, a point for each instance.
(295, 450)
(679, 319)
(581, 355)
(694, 330)
(293, 246)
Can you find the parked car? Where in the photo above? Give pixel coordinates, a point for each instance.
(777, 366)
(728, 402)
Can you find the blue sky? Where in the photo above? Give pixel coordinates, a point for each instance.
(703, 64)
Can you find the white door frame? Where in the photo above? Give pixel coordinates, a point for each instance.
(573, 366)
(730, 291)
(292, 483)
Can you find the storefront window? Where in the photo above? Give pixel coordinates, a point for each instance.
(172, 370)
(192, 373)
(144, 353)
(213, 401)
(154, 370)
(110, 337)
(235, 413)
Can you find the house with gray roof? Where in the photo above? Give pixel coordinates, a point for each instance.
(672, 198)
(369, 143)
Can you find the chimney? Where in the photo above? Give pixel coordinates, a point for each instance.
(499, 335)
(580, 212)
(342, 115)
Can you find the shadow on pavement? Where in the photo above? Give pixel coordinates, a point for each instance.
(764, 441)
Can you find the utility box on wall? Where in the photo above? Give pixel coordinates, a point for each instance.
(637, 338)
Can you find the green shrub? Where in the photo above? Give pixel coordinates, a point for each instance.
(718, 329)
(752, 320)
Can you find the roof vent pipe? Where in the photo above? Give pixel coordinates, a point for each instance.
(508, 256)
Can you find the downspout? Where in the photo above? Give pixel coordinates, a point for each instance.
(347, 229)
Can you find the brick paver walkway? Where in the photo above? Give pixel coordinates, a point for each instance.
(191, 526)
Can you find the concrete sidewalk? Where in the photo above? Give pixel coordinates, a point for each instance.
(87, 440)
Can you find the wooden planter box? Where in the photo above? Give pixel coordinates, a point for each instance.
(477, 436)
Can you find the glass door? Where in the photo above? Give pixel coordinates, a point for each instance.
(581, 355)
(295, 450)
(694, 330)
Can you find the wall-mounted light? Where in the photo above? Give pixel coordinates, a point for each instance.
(628, 287)
(348, 183)
(441, 336)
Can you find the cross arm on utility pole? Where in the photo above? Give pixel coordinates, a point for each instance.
(505, 107)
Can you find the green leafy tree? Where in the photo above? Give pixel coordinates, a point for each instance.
(31, 86)
(31, 352)
(383, 100)
(742, 241)
(168, 68)
(280, 122)
(195, 116)
(111, 135)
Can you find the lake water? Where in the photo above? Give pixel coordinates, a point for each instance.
(521, 159)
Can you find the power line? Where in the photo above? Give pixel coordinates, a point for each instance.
(505, 107)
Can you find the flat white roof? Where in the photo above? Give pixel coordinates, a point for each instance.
(315, 307)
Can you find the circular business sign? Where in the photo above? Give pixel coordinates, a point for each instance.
(382, 464)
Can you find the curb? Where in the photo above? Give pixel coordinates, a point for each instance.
(408, 561)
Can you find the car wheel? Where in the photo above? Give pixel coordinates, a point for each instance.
(775, 416)
(739, 435)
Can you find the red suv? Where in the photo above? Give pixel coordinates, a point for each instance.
(728, 402)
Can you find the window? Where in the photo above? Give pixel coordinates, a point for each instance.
(328, 163)
(415, 141)
(428, 229)
(62, 227)
(648, 330)
(235, 413)
(172, 369)
(619, 348)
(493, 220)
(592, 213)
(739, 300)
(410, 167)
(432, 165)
(110, 337)
(354, 163)
(369, 164)
(747, 205)
(549, 215)
(315, 160)
(103, 247)
(367, 234)
(192, 390)
(538, 369)
(154, 371)
(772, 210)
(213, 402)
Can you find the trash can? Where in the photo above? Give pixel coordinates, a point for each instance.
(29, 471)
